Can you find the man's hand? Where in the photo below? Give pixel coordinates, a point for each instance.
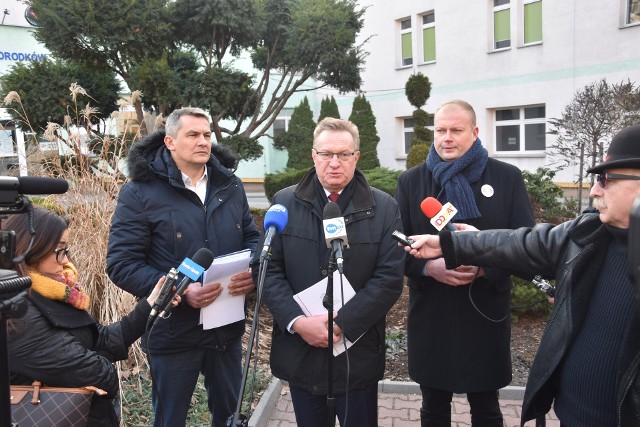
(460, 276)
(425, 246)
(199, 296)
(241, 284)
(315, 329)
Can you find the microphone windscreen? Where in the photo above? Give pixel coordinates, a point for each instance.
(331, 210)
(277, 215)
(42, 185)
(203, 257)
(430, 207)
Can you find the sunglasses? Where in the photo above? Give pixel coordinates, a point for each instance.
(604, 178)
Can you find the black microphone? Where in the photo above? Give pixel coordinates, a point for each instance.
(166, 293)
(33, 185)
(192, 270)
(335, 231)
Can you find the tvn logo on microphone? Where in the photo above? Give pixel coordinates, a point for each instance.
(443, 217)
(190, 269)
(333, 227)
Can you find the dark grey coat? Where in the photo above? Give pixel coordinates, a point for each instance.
(451, 345)
(373, 266)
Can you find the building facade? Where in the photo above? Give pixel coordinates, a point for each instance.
(518, 62)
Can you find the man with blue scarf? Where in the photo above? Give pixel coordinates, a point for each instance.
(459, 327)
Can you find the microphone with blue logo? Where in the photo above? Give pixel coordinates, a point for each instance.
(274, 221)
(335, 231)
(188, 271)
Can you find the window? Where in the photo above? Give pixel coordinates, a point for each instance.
(429, 37)
(406, 47)
(501, 24)
(520, 129)
(532, 21)
(281, 123)
(633, 12)
(408, 134)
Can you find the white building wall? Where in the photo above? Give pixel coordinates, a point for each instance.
(583, 41)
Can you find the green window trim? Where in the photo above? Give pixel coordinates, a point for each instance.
(533, 22)
(429, 44)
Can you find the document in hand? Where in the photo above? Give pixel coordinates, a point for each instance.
(226, 308)
(310, 301)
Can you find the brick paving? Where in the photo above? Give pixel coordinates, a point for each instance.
(400, 410)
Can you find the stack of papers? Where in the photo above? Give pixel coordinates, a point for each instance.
(310, 301)
(226, 308)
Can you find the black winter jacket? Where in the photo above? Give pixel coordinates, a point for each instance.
(373, 265)
(158, 222)
(573, 253)
(63, 346)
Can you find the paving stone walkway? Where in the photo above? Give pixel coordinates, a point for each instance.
(403, 409)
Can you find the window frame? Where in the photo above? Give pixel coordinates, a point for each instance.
(627, 12)
(423, 44)
(522, 123)
(524, 29)
(495, 10)
(405, 132)
(402, 33)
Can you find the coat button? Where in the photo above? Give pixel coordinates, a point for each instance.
(324, 272)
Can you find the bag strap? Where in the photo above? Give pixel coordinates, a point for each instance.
(36, 392)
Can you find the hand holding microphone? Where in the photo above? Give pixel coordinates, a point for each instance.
(188, 271)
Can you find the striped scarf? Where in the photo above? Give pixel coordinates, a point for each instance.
(62, 288)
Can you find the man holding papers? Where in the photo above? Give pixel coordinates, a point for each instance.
(373, 267)
(182, 196)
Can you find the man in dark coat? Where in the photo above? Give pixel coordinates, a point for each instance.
(300, 259)
(589, 357)
(181, 198)
(459, 327)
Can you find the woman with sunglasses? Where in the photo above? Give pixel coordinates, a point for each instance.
(58, 342)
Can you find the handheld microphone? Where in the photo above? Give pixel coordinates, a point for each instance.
(274, 221)
(439, 215)
(33, 185)
(165, 294)
(191, 271)
(335, 231)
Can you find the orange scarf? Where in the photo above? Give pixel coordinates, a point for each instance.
(62, 288)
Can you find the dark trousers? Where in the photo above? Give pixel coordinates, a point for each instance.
(360, 408)
(436, 408)
(175, 376)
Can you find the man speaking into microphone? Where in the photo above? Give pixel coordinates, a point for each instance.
(300, 258)
(458, 323)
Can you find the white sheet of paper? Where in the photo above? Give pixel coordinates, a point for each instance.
(226, 308)
(310, 301)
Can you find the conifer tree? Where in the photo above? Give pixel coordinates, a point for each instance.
(329, 108)
(418, 89)
(298, 139)
(362, 116)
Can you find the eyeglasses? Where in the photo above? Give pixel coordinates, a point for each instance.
(61, 253)
(327, 155)
(604, 178)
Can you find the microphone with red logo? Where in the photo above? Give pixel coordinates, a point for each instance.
(440, 215)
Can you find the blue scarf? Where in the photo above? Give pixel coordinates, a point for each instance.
(454, 178)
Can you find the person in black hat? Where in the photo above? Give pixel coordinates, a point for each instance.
(589, 357)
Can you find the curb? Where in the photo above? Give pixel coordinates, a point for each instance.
(261, 414)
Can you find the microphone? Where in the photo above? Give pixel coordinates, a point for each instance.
(335, 232)
(439, 215)
(33, 185)
(165, 294)
(191, 271)
(274, 221)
